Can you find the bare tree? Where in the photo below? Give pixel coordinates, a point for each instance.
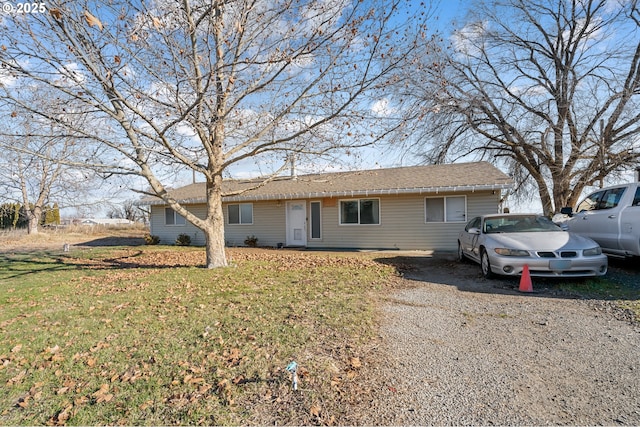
(203, 85)
(127, 210)
(548, 89)
(40, 164)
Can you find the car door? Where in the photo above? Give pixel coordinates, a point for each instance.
(468, 240)
(629, 230)
(598, 219)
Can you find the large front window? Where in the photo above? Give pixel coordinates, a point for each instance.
(362, 211)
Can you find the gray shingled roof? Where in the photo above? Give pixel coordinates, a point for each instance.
(459, 177)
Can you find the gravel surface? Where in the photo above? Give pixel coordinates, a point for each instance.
(459, 349)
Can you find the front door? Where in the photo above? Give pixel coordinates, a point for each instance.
(297, 223)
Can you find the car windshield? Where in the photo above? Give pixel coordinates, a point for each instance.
(519, 224)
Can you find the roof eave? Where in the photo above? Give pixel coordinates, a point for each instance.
(349, 193)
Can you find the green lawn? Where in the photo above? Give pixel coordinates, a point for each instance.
(146, 336)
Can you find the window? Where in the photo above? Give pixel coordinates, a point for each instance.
(363, 211)
(315, 220)
(611, 198)
(590, 203)
(636, 198)
(446, 209)
(474, 223)
(171, 217)
(241, 213)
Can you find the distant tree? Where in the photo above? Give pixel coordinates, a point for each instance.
(41, 160)
(548, 89)
(51, 215)
(127, 210)
(203, 86)
(11, 216)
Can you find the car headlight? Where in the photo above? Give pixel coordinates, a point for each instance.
(592, 251)
(511, 252)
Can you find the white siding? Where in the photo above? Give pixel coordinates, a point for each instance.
(402, 225)
(268, 225)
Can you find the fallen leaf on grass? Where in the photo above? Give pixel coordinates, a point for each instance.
(23, 402)
(146, 405)
(190, 379)
(17, 379)
(204, 388)
(52, 350)
(102, 394)
(234, 357)
(315, 410)
(16, 348)
(355, 362)
(61, 418)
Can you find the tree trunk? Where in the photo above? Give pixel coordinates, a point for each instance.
(33, 217)
(215, 248)
(214, 227)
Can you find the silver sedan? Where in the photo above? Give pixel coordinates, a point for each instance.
(505, 243)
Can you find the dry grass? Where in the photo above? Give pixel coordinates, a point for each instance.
(55, 237)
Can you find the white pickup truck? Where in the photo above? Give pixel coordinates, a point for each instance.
(611, 217)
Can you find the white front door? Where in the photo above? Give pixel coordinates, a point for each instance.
(297, 223)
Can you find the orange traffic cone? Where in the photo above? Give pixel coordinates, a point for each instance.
(525, 280)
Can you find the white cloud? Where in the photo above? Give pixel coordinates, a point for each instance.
(382, 108)
(468, 40)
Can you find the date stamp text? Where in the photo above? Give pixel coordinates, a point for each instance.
(24, 8)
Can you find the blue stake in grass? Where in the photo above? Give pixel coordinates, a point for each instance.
(293, 368)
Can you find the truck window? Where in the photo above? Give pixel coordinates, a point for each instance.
(636, 198)
(611, 198)
(590, 203)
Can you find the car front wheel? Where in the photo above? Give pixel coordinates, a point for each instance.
(485, 265)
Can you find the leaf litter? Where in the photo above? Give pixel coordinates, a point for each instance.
(221, 375)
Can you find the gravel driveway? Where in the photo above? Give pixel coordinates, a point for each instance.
(459, 349)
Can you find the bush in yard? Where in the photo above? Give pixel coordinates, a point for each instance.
(150, 239)
(183, 240)
(251, 241)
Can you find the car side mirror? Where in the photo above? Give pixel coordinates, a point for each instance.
(566, 211)
(473, 230)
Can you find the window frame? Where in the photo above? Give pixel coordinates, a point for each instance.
(178, 220)
(444, 212)
(240, 222)
(359, 201)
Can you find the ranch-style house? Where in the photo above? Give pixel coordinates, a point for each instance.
(409, 208)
